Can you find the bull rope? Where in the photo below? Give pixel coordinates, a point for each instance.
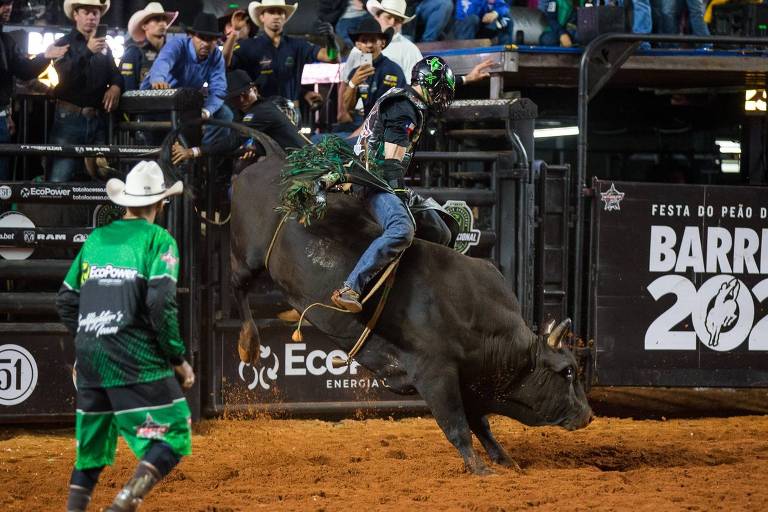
(387, 279)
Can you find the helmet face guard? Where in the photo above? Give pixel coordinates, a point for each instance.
(437, 82)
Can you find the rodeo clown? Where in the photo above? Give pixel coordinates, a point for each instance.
(119, 301)
(388, 137)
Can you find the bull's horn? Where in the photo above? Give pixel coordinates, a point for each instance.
(555, 339)
(548, 327)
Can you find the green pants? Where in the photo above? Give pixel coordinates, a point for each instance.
(141, 413)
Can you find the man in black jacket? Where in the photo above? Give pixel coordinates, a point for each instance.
(89, 84)
(14, 64)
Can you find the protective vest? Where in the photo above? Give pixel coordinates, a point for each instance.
(371, 139)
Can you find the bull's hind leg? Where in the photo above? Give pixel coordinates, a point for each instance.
(439, 387)
(249, 341)
(482, 430)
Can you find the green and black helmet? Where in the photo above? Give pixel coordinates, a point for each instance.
(436, 80)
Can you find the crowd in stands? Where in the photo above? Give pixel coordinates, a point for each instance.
(251, 71)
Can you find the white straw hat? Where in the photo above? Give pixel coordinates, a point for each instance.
(144, 185)
(393, 7)
(256, 8)
(139, 17)
(69, 5)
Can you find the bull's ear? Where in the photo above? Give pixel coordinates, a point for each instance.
(555, 338)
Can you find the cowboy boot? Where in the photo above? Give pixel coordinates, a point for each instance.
(347, 298)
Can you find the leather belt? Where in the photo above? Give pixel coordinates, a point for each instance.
(71, 107)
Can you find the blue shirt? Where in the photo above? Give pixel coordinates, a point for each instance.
(386, 75)
(136, 63)
(480, 8)
(276, 71)
(177, 65)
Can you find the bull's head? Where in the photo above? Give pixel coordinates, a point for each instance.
(549, 392)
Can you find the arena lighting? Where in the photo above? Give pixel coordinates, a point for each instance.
(306, 130)
(37, 42)
(730, 147)
(755, 100)
(730, 166)
(561, 131)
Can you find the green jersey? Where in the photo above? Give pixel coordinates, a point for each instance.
(119, 301)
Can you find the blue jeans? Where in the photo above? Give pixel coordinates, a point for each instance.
(5, 138)
(670, 17)
(393, 217)
(73, 128)
(345, 25)
(212, 133)
(434, 15)
(472, 28)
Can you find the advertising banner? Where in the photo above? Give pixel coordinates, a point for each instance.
(679, 285)
(290, 374)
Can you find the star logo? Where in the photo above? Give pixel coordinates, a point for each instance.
(612, 198)
(150, 429)
(169, 258)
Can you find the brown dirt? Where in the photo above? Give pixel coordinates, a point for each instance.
(385, 464)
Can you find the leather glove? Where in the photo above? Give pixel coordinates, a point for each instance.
(323, 28)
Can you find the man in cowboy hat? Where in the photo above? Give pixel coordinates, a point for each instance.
(147, 28)
(14, 64)
(279, 59)
(257, 113)
(191, 62)
(89, 84)
(119, 301)
(369, 81)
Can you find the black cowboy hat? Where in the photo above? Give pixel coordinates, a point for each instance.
(238, 82)
(205, 25)
(370, 26)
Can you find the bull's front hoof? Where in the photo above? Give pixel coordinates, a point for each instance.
(511, 464)
(248, 344)
(477, 467)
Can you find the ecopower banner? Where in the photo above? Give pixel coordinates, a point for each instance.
(680, 284)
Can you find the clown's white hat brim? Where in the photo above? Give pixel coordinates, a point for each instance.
(144, 185)
(256, 8)
(69, 5)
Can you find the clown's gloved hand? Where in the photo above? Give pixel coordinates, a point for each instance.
(322, 184)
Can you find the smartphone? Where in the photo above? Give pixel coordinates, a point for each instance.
(101, 31)
(367, 59)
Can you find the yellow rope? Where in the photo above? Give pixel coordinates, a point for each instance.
(272, 243)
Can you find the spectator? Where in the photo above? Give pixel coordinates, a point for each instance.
(345, 15)
(670, 13)
(14, 64)
(191, 62)
(401, 51)
(147, 29)
(642, 22)
(368, 82)
(237, 26)
(89, 84)
(434, 16)
(484, 18)
(276, 61)
(561, 21)
(258, 113)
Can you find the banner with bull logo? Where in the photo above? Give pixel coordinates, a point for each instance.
(680, 284)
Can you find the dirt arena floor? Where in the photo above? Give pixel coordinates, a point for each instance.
(658, 463)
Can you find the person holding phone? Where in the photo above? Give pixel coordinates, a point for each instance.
(89, 84)
(376, 74)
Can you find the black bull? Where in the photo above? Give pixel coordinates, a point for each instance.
(451, 329)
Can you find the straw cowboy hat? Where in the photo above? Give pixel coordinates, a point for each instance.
(256, 8)
(69, 5)
(393, 7)
(144, 185)
(139, 17)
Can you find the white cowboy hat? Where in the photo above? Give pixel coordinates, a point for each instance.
(139, 17)
(256, 8)
(393, 7)
(144, 185)
(69, 5)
